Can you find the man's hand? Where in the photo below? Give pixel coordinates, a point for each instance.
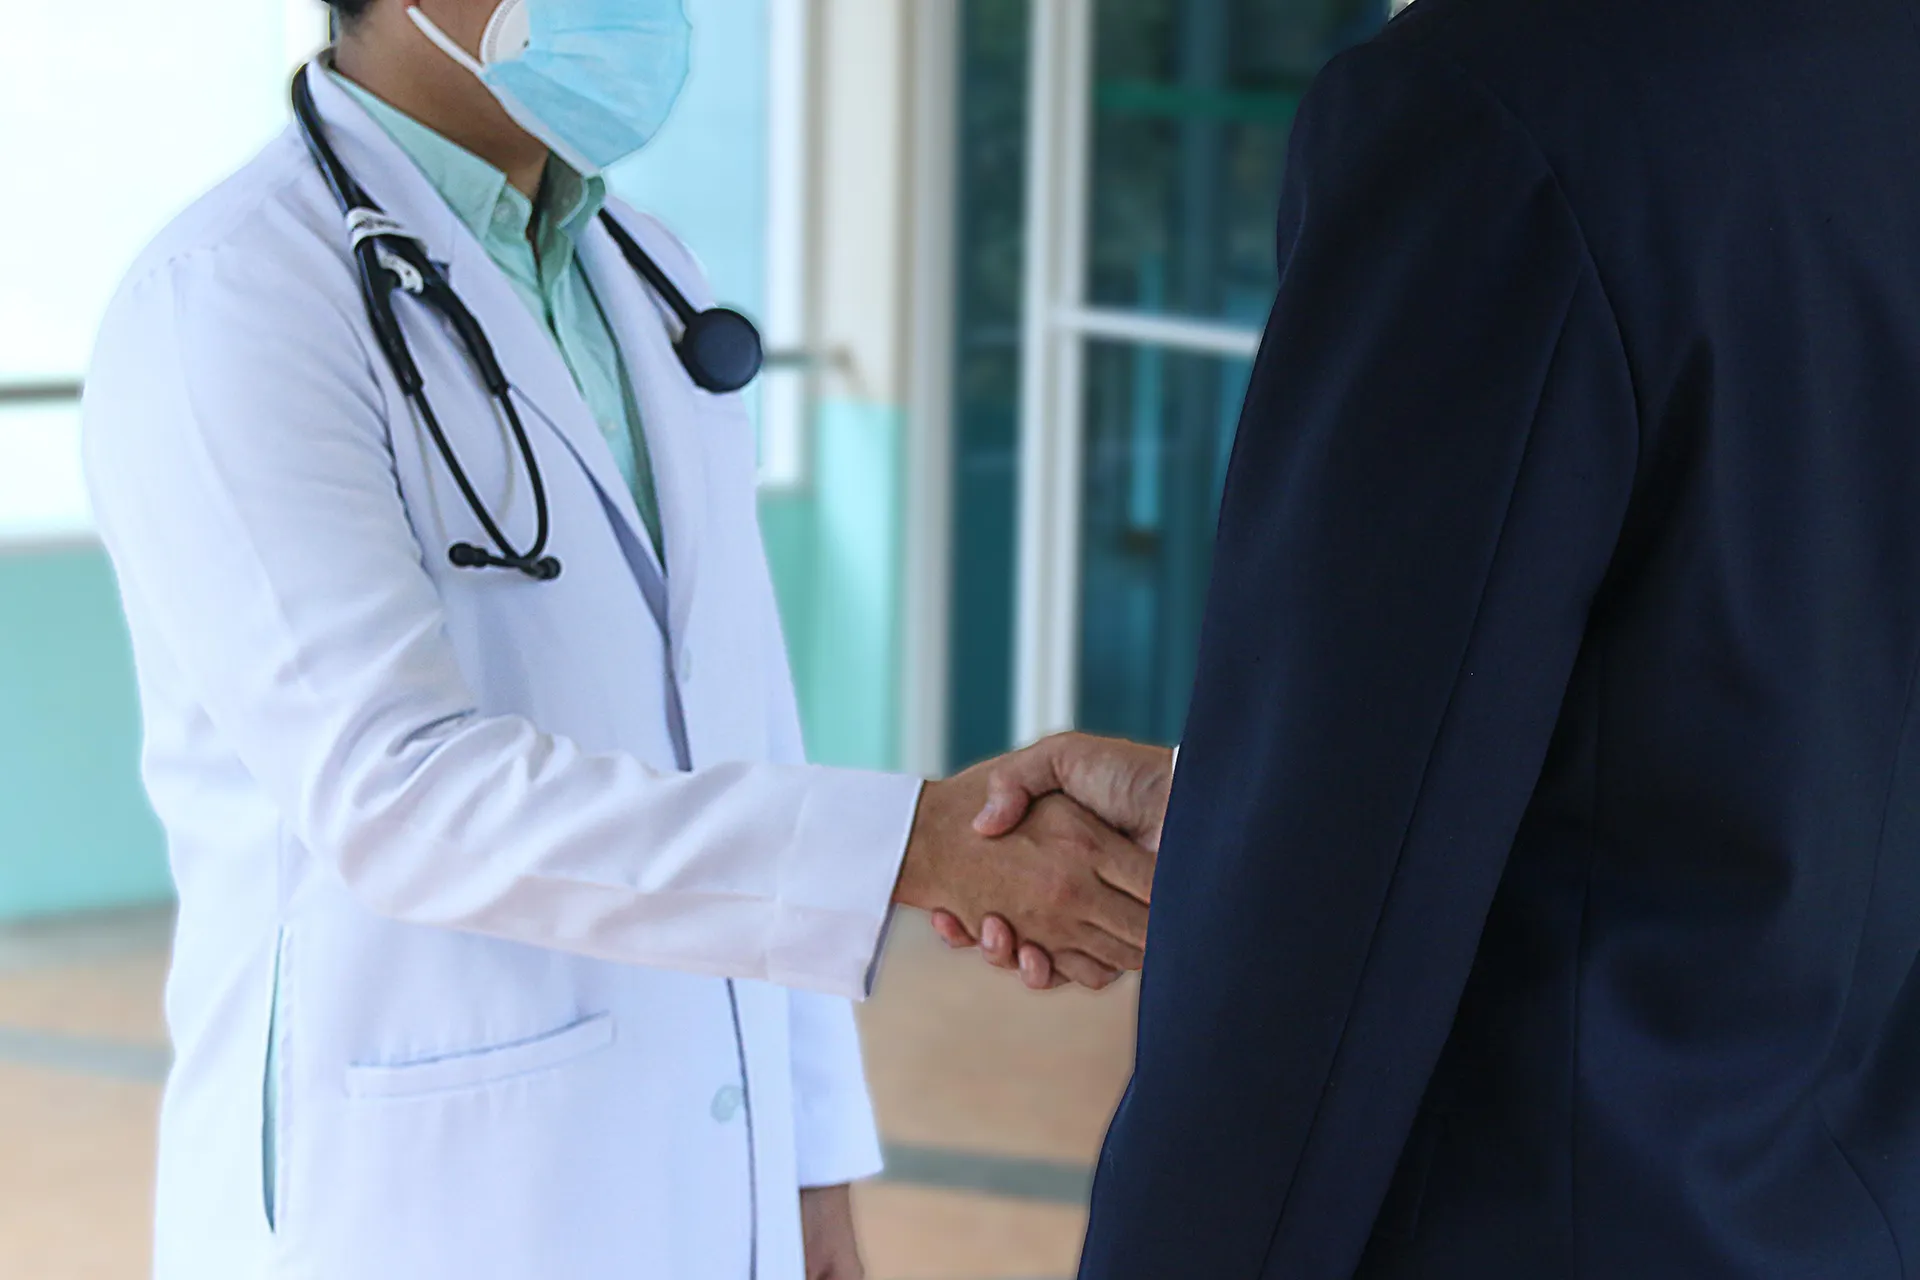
(826, 1223)
(1125, 784)
(1069, 883)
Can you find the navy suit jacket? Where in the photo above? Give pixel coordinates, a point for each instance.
(1540, 895)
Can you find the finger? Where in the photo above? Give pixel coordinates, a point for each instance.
(1128, 867)
(1108, 950)
(1118, 915)
(1083, 969)
(952, 932)
(1036, 968)
(999, 944)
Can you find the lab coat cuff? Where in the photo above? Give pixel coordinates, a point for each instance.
(837, 1140)
(837, 894)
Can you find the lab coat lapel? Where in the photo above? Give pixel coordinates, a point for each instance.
(672, 409)
(545, 391)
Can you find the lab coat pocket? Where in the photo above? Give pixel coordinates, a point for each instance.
(478, 1068)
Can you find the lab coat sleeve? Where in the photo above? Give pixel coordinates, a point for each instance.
(243, 481)
(836, 1137)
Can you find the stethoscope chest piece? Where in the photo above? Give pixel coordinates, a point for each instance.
(721, 350)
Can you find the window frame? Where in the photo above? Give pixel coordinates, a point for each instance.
(1057, 326)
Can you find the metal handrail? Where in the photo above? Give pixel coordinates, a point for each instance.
(65, 391)
(59, 392)
(68, 390)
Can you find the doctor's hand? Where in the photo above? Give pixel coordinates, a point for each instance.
(1065, 880)
(1125, 784)
(826, 1224)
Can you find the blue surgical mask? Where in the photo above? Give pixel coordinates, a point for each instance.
(593, 79)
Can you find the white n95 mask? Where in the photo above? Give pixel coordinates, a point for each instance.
(593, 79)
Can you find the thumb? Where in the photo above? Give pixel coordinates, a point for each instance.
(1007, 804)
(1015, 781)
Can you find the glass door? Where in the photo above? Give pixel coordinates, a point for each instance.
(1118, 174)
(1157, 142)
(989, 230)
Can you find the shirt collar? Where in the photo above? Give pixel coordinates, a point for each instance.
(479, 194)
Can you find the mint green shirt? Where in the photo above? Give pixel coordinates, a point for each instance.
(544, 270)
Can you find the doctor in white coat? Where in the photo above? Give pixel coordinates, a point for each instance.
(516, 939)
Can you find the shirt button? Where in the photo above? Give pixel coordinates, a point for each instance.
(727, 1103)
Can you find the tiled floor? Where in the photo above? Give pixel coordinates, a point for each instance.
(992, 1099)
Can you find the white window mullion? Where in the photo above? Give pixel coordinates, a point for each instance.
(1059, 146)
(786, 393)
(927, 584)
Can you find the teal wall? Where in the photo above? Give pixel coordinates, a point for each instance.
(705, 175)
(835, 548)
(75, 830)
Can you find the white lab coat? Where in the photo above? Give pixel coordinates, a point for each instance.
(442, 805)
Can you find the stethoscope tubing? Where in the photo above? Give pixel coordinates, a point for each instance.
(720, 349)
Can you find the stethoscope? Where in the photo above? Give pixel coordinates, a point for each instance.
(719, 348)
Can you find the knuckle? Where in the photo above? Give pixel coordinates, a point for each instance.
(1082, 845)
(1063, 889)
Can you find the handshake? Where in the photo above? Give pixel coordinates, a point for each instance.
(1044, 858)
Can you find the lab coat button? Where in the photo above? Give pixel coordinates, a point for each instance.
(727, 1103)
(686, 666)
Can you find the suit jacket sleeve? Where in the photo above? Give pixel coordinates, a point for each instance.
(1430, 476)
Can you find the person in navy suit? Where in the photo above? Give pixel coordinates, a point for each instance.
(1540, 895)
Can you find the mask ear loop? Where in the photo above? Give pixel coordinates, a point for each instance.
(507, 27)
(431, 30)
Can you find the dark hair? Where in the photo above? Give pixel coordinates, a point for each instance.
(350, 11)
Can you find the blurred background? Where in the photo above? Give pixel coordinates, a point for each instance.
(1014, 256)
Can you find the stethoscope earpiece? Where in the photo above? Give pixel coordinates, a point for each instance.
(465, 555)
(720, 349)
